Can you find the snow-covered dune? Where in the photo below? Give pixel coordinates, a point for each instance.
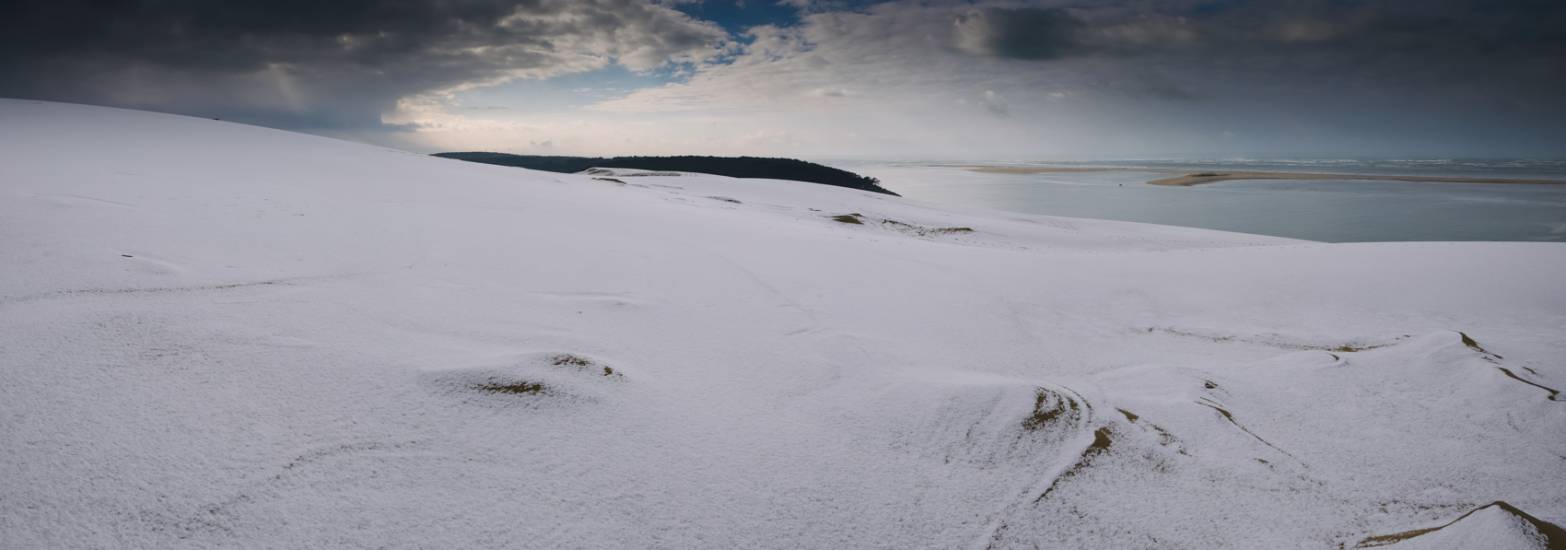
(215, 335)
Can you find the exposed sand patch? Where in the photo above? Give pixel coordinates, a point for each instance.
(1554, 538)
(1049, 406)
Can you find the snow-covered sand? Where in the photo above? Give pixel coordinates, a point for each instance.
(215, 335)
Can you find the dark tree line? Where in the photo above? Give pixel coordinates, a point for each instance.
(736, 167)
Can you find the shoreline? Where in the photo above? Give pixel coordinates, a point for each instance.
(1199, 178)
(990, 169)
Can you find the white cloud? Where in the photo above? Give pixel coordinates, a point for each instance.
(994, 102)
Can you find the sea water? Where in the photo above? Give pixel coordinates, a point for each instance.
(1331, 210)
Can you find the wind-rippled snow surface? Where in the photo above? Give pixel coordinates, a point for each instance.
(214, 335)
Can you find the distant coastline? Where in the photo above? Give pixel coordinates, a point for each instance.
(1199, 178)
(734, 167)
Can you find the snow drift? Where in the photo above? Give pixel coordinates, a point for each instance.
(214, 335)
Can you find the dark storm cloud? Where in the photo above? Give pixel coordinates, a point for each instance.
(1022, 33)
(233, 35)
(1448, 58)
(315, 64)
(1523, 28)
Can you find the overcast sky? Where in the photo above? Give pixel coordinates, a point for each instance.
(825, 79)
